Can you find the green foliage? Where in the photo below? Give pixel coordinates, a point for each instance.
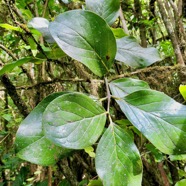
(182, 89)
(132, 54)
(65, 122)
(88, 40)
(9, 67)
(30, 140)
(69, 122)
(117, 158)
(181, 183)
(107, 9)
(148, 111)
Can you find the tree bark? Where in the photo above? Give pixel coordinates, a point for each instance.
(11, 89)
(172, 35)
(142, 28)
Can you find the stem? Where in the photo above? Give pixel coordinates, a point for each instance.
(108, 99)
(124, 25)
(163, 174)
(49, 176)
(45, 7)
(108, 94)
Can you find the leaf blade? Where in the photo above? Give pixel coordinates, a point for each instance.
(41, 24)
(117, 158)
(94, 46)
(107, 9)
(29, 137)
(70, 123)
(9, 67)
(124, 86)
(132, 54)
(158, 117)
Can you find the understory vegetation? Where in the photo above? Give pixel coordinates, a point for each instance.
(92, 92)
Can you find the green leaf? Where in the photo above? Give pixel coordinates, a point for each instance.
(181, 182)
(158, 117)
(74, 121)
(118, 32)
(41, 24)
(182, 89)
(90, 151)
(10, 27)
(85, 37)
(95, 183)
(30, 142)
(132, 54)
(107, 9)
(124, 86)
(158, 156)
(54, 53)
(42, 152)
(177, 157)
(117, 158)
(9, 67)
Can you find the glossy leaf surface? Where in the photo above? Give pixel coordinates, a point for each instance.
(117, 158)
(41, 24)
(73, 121)
(107, 9)
(158, 117)
(132, 54)
(30, 142)
(85, 37)
(124, 86)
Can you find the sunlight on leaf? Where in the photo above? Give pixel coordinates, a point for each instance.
(107, 9)
(74, 121)
(30, 142)
(181, 182)
(158, 117)
(90, 151)
(132, 54)
(41, 24)
(85, 37)
(182, 89)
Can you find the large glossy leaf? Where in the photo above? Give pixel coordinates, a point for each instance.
(107, 9)
(117, 159)
(30, 142)
(159, 118)
(132, 54)
(73, 121)
(85, 37)
(41, 24)
(124, 86)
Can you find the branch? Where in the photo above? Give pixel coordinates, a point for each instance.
(11, 89)
(171, 33)
(145, 70)
(9, 52)
(163, 174)
(124, 25)
(45, 7)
